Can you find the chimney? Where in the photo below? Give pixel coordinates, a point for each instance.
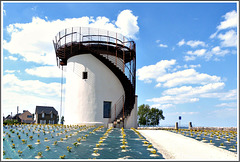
(17, 109)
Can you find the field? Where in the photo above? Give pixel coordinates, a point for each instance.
(74, 142)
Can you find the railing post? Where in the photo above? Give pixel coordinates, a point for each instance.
(65, 43)
(116, 50)
(123, 108)
(79, 37)
(71, 39)
(123, 55)
(115, 112)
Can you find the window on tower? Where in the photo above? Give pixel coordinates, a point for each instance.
(106, 109)
(85, 75)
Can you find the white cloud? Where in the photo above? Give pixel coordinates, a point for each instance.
(198, 53)
(4, 12)
(12, 84)
(219, 52)
(189, 58)
(231, 104)
(191, 91)
(230, 95)
(229, 39)
(163, 106)
(195, 43)
(180, 43)
(11, 58)
(12, 71)
(33, 40)
(188, 76)
(147, 73)
(173, 100)
(27, 94)
(163, 45)
(229, 22)
(194, 66)
(224, 113)
(127, 23)
(191, 43)
(45, 71)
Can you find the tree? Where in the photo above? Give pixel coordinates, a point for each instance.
(143, 114)
(149, 116)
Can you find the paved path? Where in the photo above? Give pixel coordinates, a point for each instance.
(176, 146)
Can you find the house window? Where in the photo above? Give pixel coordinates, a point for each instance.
(85, 75)
(42, 115)
(106, 109)
(51, 115)
(29, 116)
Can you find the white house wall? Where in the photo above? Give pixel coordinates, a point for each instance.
(84, 97)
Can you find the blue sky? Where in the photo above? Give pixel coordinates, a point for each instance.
(186, 55)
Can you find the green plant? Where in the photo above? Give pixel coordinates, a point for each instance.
(12, 140)
(45, 138)
(55, 143)
(4, 153)
(30, 146)
(19, 137)
(13, 145)
(149, 146)
(69, 148)
(153, 151)
(210, 141)
(38, 135)
(39, 153)
(19, 152)
(75, 143)
(30, 137)
(62, 157)
(221, 144)
(79, 139)
(24, 141)
(61, 139)
(38, 141)
(48, 148)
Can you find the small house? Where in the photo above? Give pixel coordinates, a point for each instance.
(46, 115)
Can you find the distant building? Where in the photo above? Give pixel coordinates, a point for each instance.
(46, 115)
(26, 117)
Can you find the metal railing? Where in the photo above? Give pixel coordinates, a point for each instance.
(93, 37)
(117, 108)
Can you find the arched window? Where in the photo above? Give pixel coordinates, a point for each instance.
(51, 115)
(42, 115)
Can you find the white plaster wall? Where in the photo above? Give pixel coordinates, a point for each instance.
(131, 120)
(84, 98)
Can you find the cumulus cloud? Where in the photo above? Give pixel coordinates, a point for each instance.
(11, 58)
(188, 76)
(127, 23)
(230, 104)
(191, 43)
(195, 43)
(199, 52)
(229, 39)
(230, 21)
(189, 58)
(147, 73)
(33, 40)
(27, 94)
(12, 71)
(162, 106)
(45, 71)
(163, 45)
(180, 43)
(13, 84)
(230, 95)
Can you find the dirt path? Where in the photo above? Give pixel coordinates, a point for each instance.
(176, 146)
